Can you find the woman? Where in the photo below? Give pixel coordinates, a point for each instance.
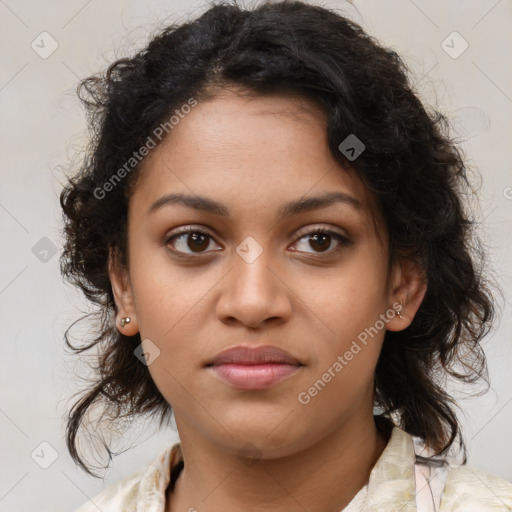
(271, 226)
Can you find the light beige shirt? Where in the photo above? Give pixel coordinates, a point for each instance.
(398, 482)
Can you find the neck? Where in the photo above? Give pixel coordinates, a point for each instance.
(325, 476)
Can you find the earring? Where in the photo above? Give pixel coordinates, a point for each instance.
(125, 321)
(399, 312)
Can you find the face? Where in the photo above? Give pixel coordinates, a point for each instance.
(248, 272)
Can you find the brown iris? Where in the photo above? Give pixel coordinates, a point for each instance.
(320, 239)
(200, 241)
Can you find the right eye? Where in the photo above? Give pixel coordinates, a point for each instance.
(189, 239)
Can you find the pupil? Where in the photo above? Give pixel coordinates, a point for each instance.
(198, 241)
(323, 236)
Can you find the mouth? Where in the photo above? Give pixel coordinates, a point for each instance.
(254, 368)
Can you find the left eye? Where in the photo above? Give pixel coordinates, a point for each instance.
(321, 240)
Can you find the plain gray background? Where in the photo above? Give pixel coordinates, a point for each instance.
(41, 127)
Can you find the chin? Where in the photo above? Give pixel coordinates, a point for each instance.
(261, 441)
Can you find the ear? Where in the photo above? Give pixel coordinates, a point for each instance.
(123, 295)
(408, 287)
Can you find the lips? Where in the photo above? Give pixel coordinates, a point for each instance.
(258, 368)
(253, 356)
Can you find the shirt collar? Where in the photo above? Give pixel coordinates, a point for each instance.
(391, 482)
(154, 482)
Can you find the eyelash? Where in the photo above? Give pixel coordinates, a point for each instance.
(343, 240)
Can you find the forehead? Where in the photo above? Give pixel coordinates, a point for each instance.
(235, 127)
(253, 152)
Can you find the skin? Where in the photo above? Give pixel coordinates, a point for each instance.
(253, 155)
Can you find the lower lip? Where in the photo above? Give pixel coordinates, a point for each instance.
(258, 376)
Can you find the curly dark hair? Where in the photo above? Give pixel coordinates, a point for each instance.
(410, 163)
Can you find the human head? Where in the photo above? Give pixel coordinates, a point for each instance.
(409, 166)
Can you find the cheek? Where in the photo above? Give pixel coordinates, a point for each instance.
(173, 306)
(351, 297)
(162, 291)
(350, 302)
(342, 376)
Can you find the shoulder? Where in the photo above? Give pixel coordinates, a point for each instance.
(120, 496)
(470, 489)
(142, 490)
(458, 487)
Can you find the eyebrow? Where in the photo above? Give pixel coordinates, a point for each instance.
(301, 205)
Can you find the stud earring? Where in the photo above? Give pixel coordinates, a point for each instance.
(125, 321)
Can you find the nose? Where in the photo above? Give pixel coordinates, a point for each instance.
(254, 293)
